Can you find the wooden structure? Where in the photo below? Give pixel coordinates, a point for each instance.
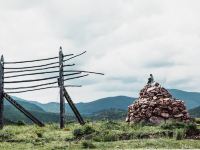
(1, 90)
(43, 69)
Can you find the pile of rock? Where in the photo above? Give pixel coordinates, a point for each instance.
(155, 105)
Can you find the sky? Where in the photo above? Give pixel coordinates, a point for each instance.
(125, 39)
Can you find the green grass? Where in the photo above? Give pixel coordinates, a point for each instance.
(95, 135)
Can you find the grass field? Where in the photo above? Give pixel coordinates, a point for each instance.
(98, 135)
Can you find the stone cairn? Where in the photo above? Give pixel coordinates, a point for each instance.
(156, 105)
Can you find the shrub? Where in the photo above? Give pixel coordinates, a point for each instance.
(110, 137)
(197, 120)
(54, 126)
(39, 134)
(173, 125)
(191, 129)
(77, 133)
(142, 135)
(180, 135)
(85, 130)
(136, 126)
(112, 125)
(88, 130)
(21, 123)
(5, 136)
(88, 144)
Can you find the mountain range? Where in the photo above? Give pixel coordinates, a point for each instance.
(102, 108)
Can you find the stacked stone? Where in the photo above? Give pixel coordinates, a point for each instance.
(155, 105)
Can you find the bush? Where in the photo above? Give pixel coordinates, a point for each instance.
(4, 136)
(21, 123)
(191, 127)
(88, 130)
(173, 125)
(77, 133)
(39, 134)
(88, 144)
(197, 120)
(142, 135)
(110, 137)
(191, 130)
(180, 135)
(112, 125)
(85, 130)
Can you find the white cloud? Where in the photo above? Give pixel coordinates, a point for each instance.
(125, 39)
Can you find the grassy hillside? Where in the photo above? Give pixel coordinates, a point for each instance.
(109, 114)
(26, 104)
(99, 135)
(105, 108)
(13, 114)
(191, 99)
(195, 112)
(117, 102)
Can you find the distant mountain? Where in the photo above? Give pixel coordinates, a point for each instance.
(101, 108)
(110, 107)
(195, 112)
(48, 107)
(12, 114)
(117, 102)
(191, 99)
(28, 105)
(109, 114)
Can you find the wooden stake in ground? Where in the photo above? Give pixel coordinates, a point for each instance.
(61, 85)
(1, 90)
(73, 107)
(23, 110)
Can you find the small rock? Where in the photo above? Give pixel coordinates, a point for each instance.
(178, 116)
(151, 88)
(165, 115)
(155, 120)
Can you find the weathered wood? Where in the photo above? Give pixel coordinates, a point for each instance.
(41, 79)
(1, 91)
(30, 70)
(61, 85)
(28, 61)
(42, 88)
(23, 110)
(73, 107)
(74, 56)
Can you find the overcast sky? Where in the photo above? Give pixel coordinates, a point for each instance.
(125, 39)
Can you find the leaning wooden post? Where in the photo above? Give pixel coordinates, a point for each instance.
(1, 90)
(61, 85)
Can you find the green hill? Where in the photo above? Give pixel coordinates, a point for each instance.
(109, 114)
(117, 102)
(12, 114)
(105, 108)
(192, 99)
(26, 104)
(195, 112)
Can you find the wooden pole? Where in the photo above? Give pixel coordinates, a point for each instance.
(23, 110)
(61, 85)
(1, 91)
(73, 107)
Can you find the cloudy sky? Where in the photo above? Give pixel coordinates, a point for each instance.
(125, 39)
